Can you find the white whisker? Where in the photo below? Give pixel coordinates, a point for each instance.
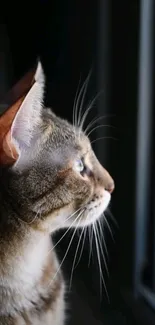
(28, 223)
(102, 237)
(75, 256)
(83, 96)
(99, 263)
(75, 106)
(87, 111)
(72, 224)
(77, 115)
(100, 126)
(109, 228)
(101, 249)
(112, 217)
(84, 237)
(95, 120)
(67, 247)
(103, 138)
(90, 229)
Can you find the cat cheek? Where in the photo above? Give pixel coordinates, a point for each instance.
(84, 193)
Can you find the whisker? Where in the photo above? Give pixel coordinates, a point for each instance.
(97, 119)
(102, 237)
(79, 98)
(98, 259)
(67, 248)
(101, 249)
(99, 264)
(29, 223)
(109, 228)
(70, 216)
(90, 242)
(25, 222)
(87, 111)
(113, 218)
(74, 104)
(104, 138)
(67, 229)
(83, 96)
(75, 256)
(84, 237)
(99, 126)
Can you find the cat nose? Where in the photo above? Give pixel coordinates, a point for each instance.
(110, 186)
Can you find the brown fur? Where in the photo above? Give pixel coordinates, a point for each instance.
(41, 191)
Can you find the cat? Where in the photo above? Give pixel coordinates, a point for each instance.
(53, 181)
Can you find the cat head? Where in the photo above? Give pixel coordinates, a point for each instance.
(55, 178)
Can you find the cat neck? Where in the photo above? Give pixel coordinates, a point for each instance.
(27, 272)
(24, 254)
(28, 261)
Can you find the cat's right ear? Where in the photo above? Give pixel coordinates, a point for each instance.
(26, 122)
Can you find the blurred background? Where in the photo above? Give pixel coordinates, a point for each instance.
(116, 40)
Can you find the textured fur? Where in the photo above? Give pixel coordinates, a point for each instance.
(38, 193)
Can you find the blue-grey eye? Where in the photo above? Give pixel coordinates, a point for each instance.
(79, 166)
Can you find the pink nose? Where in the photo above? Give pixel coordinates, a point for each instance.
(110, 187)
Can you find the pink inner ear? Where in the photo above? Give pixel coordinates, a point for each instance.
(8, 153)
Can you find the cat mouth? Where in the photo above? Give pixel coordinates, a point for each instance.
(95, 209)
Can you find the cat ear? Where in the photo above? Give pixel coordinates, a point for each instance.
(27, 119)
(28, 116)
(39, 75)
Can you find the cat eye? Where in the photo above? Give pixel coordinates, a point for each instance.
(79, 166)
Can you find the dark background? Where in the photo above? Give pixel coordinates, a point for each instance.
(71, 37)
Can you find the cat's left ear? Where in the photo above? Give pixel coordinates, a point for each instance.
(28, 118)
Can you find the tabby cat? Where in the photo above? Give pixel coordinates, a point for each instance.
(54, 181)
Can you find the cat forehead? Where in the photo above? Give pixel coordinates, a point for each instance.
(67, 145)
(63, 133)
